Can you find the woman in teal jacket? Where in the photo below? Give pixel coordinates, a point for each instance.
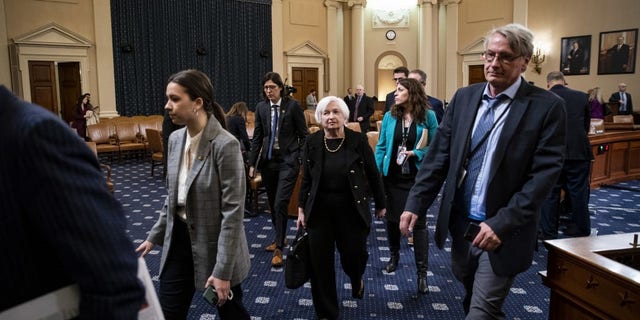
(404, 139)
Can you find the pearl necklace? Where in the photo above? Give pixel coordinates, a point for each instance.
(334, 150)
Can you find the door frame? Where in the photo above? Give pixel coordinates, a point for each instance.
(49, 43)
(308, 55)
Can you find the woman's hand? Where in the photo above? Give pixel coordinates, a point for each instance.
(251, 171)
(145, 247)
(300, 221)
(223, 288)
(381, 213)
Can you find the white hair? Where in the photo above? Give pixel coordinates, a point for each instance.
(324, 102)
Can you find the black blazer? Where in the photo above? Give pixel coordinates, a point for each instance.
(292, 126)
(363, 175)
(526, 164)
(578, 122)
(59, 224)
(237, 126)
(615, 97)
(365, 109)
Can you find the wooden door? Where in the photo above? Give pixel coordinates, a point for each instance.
(70, 88)
(43, 84)
(304, 79)
(476, 74)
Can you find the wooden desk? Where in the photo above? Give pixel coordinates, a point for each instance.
(616, 157)
(587, 285)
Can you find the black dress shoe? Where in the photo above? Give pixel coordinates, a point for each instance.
(422, 285)
(392, 265)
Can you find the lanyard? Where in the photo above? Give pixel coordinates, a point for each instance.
(405, 132)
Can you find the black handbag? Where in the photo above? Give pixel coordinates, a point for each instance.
(297, 269)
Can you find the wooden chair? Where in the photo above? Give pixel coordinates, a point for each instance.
(110, 186)
(154, 138)
(372, 136)
(378, 125)
(103, 135)
(355, 126)
(313, 129)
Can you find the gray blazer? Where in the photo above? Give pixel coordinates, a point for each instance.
(214, 204)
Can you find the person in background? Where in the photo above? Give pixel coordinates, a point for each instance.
(82, 112)
(623, 98)
(362, 109)
(398, 73)
(59, 223)
(201, 222)
(276, 146)
(436, 105)
(312, 100)
(350, 98)
(596, 103)
(334, 204)
(574, 178)
(404, 139)
(237, 125)
(500, 149)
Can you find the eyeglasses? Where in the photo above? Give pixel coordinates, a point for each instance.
(489, 56)
(270, 87)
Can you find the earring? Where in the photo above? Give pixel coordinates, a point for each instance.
(195, 111)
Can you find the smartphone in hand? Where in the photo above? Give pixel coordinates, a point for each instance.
(472, 231)
(211, 296)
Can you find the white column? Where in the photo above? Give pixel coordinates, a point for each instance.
(520, 11)
(451, 60)
(5, 67)
(357, 45)
(428, 47)
(104, 59)
(331, 86)
(277, 40)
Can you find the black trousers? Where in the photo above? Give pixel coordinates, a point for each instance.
(346, 230)
(177, 283)
(279, 179)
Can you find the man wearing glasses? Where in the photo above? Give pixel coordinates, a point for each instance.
(280, 131)
(500, 149)
(398, 73)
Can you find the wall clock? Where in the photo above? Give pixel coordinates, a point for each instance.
(391, 35)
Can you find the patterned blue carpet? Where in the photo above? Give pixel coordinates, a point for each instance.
(614, 209)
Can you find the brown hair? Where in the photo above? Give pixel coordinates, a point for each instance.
(418, 103)
(198, 85)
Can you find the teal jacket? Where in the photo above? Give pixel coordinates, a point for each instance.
(385, 140)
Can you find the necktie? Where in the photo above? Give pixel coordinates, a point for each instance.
(355, 110)
(274, 128)
(475, 162)
(623, 105)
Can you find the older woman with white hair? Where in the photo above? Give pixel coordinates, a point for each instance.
(340, 176)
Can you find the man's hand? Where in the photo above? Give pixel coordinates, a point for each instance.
(486, 239)
(223, 288)
(407, 221)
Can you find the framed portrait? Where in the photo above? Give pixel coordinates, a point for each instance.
(618, 51)
(575, 55)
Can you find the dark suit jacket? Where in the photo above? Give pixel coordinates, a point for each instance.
(365, 110)
(363, 175)
(238, 127)
(526, 164)
(615, 97)
(578, 122)
(59, 224)
(293, 130)
(619, 57)
(437, 107)
(389, 100)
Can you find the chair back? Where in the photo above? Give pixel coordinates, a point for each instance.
(155, 140)
(372, 137)
(355, 126)
(100, 133)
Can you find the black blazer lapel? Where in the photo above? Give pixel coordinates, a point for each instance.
(465, 124)
(517, 110)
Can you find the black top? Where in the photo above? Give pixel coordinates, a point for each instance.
(395, 171)
(334, 188)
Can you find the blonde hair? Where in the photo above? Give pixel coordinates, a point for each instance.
(596, 94)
